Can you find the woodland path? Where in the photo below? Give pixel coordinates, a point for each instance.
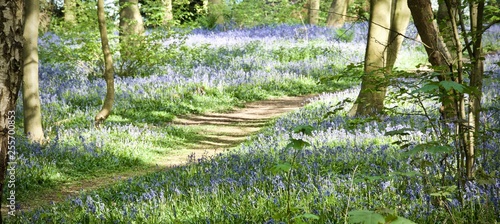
(221, 132)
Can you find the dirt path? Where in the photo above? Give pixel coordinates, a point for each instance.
(221, 132)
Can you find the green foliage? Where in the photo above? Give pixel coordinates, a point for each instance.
(346, 35)
(384, 216)
(142, 55)
(430, 147)
(250, 13)
(77, 44)
(295, 145)
(360, 9)
(492, 11)
(154, 12)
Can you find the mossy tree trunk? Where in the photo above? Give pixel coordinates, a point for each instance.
(384, 41)
(108, 67)
(31, 96)
(11, 45)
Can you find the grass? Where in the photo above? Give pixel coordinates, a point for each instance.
(350, 165)
(343, 164)
(137, 130)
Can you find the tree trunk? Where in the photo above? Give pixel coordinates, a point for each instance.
(337, 13)
(108, 70)
(314, 11)
(444, 23)
(370, 100)
(10, 81)
(130, 18)
(439, 56)
(423, 18)
(384, 41)
(131, 28)
(215, 10)
(168, 16)
(31, 96)
(400, 17)
(69, 11)
(476, 82)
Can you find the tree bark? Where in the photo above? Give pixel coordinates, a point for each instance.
(108, 70)
(130, 18)
(314, 11)
(31, 96)
(423, 18)
(400, 17)
(444, 23)
(168, 16)
(476, 82)
(215, 11)
(384, 41)
(437, 52)
(337, 13)
(10, 78)
(69, 11)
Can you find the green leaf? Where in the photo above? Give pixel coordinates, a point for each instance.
(306, 129)
(448, 85)
(401, 220)
(439, 149)
(329, 113)
(281, 167)
(306, 216)
(427, 88)
(297, 144)
(389, 218)
(406, 174)
(370, 178)
(431, 147)
(418, 148)
(366, 217)
(403, 131)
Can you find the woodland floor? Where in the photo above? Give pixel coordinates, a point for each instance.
(220, 131)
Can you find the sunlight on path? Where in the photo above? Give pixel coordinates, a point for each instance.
(220, 131)
(223, 131)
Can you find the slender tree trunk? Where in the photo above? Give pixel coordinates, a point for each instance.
(108, 64)
(444, 18)
(130, 18)
(31, 96)
(215, 10)
(400, 17)
(476, 82)
(437, 52)
(337, 13)
(168, 12)
(423, 18)
(450, 27)
(69, 11)
(314, 11)
(11, 45)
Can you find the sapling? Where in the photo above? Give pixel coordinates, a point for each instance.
(296, 144)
